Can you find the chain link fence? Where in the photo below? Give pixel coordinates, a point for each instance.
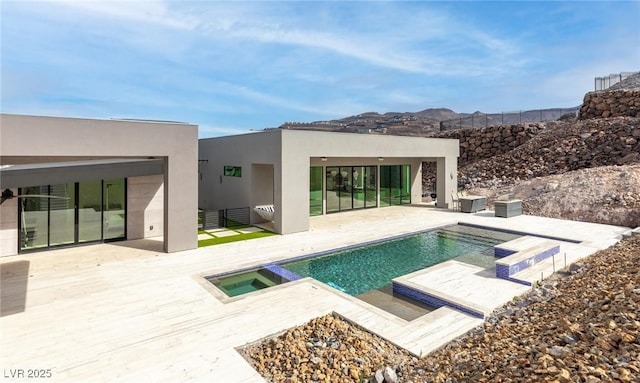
(480, 120)
(606, 82)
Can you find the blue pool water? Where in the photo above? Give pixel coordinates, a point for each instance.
(362, 269)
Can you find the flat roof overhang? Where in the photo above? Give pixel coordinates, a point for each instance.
(51, 173)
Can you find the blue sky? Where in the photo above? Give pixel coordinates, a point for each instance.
(234, 66)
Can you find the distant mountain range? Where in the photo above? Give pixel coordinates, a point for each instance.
(426, 122)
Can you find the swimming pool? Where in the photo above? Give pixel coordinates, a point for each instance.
(373, 266)
(362, 269)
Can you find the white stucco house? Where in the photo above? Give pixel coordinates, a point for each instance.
(72, 181)
(306, 173)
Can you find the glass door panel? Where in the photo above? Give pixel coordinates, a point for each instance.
(114, 209)
(62, 214)
(332, 188)
(406, 184)
(385, 196)
(395, 184)
(358, 186)
(34, 218)
(370, 186)
(344, 192)
(315, 190)
(89, 211)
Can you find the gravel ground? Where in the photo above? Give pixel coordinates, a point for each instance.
(580, 326)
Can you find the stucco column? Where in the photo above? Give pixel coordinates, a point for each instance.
(446, 180)
(416, 181)
(181, 202)
(292, 198)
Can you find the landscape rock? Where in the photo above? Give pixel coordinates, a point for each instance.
(390, 375)
(569, 338)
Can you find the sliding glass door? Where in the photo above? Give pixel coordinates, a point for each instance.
(34, 218)
(350, 187)
(395, 185)
(73, 213)
(113, 211)
(315, 190)
(62, 214)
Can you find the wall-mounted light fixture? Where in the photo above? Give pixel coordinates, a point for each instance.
(323, 159)
(380, 159)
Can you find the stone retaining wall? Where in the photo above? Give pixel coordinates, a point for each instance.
(614, 103)
(480, 143)
(539, 149)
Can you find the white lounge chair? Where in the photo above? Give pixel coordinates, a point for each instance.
(455, 201)
(266, 212)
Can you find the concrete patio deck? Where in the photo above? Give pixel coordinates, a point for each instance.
(127, 312)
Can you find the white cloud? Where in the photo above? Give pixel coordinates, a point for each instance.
(145, 11)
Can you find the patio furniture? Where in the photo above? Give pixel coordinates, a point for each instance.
(265, 212)
(455, 201)
(507, 209)
(473, 203)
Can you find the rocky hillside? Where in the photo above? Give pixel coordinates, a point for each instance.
(426, 122)
(584, 170)
(557, 148)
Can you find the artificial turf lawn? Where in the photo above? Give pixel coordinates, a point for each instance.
(233, 238)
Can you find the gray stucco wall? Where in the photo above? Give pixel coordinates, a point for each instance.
(292, 152)
(35, 139)
(145, 207)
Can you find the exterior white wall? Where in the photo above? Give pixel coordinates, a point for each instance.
(33, 138)
(9, 226)
(217, 191)
(446, 180)
(145, 206)
(292, 152)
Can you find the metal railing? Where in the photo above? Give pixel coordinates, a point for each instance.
(479, 120)
(216, 219)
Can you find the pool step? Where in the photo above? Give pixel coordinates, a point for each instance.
(398, 305)
(522, 253)
(460, 286)
(466, 237)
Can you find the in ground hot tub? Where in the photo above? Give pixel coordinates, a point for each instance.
(253, 280)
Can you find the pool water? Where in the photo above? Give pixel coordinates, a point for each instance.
(372, 267)
(363, 269)
(248, 282)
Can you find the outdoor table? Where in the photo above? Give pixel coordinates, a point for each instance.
(472, 203)
(510, 208)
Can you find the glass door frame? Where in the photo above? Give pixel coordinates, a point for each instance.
(342, 182)
(76, 216)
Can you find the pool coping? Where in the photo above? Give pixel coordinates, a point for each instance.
(400, 284)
